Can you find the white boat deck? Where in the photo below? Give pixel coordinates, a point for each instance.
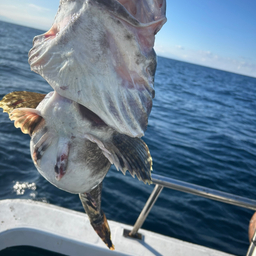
(30, 223)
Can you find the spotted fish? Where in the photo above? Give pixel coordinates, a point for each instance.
(99, 59)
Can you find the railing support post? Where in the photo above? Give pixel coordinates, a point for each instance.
(252, 248)
(144, 213)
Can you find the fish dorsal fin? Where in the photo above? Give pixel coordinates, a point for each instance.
(27, 119)
(131, 154)
(20, 99)
(127, 153)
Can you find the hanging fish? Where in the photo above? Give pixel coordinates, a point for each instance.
(73, 148)
(99, 59)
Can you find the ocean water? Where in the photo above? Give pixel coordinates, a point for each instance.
(201, 130)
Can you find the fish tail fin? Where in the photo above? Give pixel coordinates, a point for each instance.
(92, 205)
(103, 231)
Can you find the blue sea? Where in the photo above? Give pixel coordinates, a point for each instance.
(202, 129)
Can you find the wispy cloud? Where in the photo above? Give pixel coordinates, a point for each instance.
(179, 47)
(28, 15)
(38, 8)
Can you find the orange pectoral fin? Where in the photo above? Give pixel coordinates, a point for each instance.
(26, 119)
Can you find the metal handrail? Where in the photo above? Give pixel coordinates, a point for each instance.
(204, 192)
(161, 182)
(145, 211)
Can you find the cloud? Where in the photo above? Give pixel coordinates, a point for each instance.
(179, 47)
(28, 15)
(38, 8)
(208, 58)
(11, 6)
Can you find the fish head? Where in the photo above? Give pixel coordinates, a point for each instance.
(100, 55)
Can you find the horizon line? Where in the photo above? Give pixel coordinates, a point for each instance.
(159, 55)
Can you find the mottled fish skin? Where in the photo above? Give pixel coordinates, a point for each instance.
(99, 59)
(74, 148)
(67, 158)
(100, 54)
(71, 146)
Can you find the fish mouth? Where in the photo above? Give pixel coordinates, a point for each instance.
(136, 12)
(143, 18)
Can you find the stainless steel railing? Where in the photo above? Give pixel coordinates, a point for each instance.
(204, 192)
(161, 182)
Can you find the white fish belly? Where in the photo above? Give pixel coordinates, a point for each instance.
(82, 173)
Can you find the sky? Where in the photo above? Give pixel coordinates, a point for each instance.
(215, 33)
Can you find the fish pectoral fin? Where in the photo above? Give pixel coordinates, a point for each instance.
(27, 119)
(131, 154)
(20, 99)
